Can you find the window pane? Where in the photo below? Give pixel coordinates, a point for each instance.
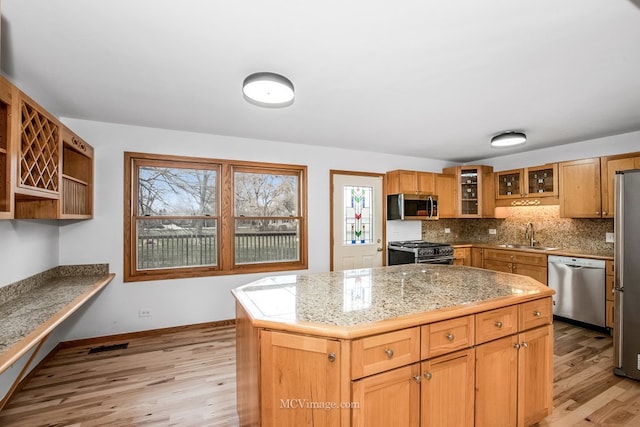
(358, 215)
(267, 241)
(176, 243)
(265, 194)
(176, 192)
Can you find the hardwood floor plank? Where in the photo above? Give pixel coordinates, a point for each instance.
(186, 378)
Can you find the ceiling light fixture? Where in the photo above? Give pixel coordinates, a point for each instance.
(268, 90)
(508, 139)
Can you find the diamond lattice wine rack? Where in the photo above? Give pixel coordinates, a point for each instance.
(39, 150)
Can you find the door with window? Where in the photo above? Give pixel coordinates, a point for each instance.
(357, 221)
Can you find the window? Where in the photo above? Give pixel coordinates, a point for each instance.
(190, 217)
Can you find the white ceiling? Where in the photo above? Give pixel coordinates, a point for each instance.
(424, 78)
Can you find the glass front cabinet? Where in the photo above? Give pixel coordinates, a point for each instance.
(475, 191)
(529, 186)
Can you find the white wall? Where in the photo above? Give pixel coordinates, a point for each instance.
(187, 301)
(27, 247)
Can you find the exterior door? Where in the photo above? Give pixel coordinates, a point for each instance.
(357, 220)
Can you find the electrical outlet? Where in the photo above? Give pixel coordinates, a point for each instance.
(144, 312)
(610, 238)
(492, 231)
(447, 230)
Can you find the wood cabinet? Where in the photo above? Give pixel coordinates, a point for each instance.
(528, 186)
(407, 181)
(512, 379)
(462, 256)
(609, 283)
(446, 190)
(475, 191)
(486, 368)
(477, 257)
(288, 401)
(77, 177)
(46, 171)
(6, 197)
(387, 399)
(447, 389)
(518, 262)
(608, 167)
(580, 195)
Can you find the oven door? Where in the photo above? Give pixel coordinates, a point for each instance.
(448, 260)
(397, 257)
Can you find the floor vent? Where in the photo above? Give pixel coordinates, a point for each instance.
(109, 348)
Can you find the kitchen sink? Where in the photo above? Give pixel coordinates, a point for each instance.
(536, 248)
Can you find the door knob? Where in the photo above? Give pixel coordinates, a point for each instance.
(379, 249)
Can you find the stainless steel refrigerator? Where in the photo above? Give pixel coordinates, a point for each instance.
(626, 338)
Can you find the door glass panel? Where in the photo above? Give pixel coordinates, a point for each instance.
(509, 184)
(358, 215)
(469, 195)
(541, 181)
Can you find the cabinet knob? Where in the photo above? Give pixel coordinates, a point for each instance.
(516, 346)
(331, 357)
(450, 336)
(389, 353)
(537, 313)
(498, 324)
(525, 344)
(604, 213)
(417, 378)
(597, 212)
(428, 375)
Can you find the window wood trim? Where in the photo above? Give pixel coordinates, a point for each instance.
(226, 231)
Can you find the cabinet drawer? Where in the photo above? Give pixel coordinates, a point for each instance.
(446, 336)
(535, 313)
(516, 256)
(496, 323)
(382, 352)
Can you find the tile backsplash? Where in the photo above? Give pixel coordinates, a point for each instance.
(550, 229)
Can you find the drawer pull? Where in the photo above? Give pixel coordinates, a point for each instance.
(427, 375)
(331, 357)
(498, 324)
(537, 313)
(389, 353)
(450, 336)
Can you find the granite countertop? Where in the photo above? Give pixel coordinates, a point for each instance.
(30, 309)
(571, 252)
(356, 302)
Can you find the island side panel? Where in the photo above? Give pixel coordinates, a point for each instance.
(247, 369)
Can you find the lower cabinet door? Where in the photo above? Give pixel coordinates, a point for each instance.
(447, 389)
(535, 374)
(391, 398)
(300, 377)
(497, 383)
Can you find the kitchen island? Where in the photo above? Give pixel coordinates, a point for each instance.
(400, 345)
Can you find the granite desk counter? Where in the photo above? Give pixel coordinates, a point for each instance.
(360, 326)
(32, 308)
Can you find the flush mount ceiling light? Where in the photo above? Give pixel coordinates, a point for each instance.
(268, 90)
(508, 139)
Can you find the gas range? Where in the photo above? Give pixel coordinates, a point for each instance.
(419, 251)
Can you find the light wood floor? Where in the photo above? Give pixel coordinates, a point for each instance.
(187, 379)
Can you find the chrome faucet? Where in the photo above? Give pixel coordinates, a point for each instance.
(528, 234)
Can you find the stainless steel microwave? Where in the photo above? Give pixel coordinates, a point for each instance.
(412, 206)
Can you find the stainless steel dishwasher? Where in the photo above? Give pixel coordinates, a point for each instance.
(580, 289)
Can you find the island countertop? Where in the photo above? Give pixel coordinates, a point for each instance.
(355, 303)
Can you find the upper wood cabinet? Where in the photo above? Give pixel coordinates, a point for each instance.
(77, 177)
(6, 199)
(46, 171)
(446, 190)
(580, 195)
(522, 187)
(406, 181)
(475, 191)
(608, 167)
